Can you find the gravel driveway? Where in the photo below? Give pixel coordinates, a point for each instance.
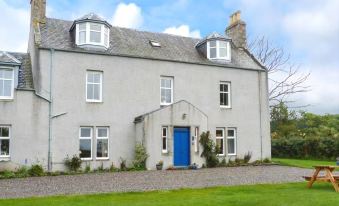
(148, 180)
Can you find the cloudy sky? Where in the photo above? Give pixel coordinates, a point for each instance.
(307, 29)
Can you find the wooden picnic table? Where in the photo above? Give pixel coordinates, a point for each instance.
(328, 177)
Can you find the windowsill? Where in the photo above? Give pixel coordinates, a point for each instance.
(86, 159)
(225, 107)
(94, 102)
(164, 152)
(164, 105)
(231, 154)
(102, 158)
(220, 155)
(5, 158)
(6, 99)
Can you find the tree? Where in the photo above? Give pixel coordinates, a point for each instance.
(285, 78)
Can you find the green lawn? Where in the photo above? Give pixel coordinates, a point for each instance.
(301, 163)
(273, 195)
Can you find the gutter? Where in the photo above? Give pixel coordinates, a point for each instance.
(260, 114)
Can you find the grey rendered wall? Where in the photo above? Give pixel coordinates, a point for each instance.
(131, 88)
(171, 117)
(28, 117)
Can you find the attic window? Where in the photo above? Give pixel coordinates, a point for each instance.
(218, 50)
(89, 33)
(155, 43)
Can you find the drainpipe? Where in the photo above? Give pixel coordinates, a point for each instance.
(260, 114)
(50, 107)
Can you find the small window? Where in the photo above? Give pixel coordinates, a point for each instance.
(225, 94)
(231, 141)
(166, 90)
(164, 136)
(155, 43)
(6, 83)
(95, 33)
(220, 137)
(218, 49)
(94, 86)
(5, 136)
(102, 142)
(196, 138)
(85, 143)
(82, 33)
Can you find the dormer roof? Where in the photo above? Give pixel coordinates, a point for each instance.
(6, 58)
(213, 36)
(91, 17)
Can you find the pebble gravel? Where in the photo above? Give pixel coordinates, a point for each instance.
(148, 180)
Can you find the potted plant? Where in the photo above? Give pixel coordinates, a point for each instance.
(159, 165)
(338, 161)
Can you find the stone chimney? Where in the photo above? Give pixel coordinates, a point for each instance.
(38, 11)
(237, 30)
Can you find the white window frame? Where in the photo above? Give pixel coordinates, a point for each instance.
(235, 141)
(99, 138)
(100, 84)
(171, 88)
(86, 138)
(196, 139)
(228, 93)
(6, 138)
(103, 32)
(162, 139)
(218, 57)
(223, 138)
(12, 85)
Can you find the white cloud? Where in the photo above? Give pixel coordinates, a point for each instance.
(14, 26)
(183, 30)
(127, 15)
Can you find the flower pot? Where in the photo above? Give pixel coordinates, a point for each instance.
(159, 167)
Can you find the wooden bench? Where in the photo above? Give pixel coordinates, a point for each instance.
(328, 177)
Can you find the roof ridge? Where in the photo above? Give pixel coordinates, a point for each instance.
(138, 30)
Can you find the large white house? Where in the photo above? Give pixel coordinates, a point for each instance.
(86, 87)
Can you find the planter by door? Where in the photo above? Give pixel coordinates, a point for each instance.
(181, 146)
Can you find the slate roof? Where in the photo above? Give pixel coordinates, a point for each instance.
(133, 43)
(25, 79)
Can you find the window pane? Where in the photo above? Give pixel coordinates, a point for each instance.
(96, 78)
(82, 26)
(102, 132)
(90, 76)
(102, 148)
(168, 96)
(2, 87)
(168, 83)
(8, 74)
(162, 82)
(90, 91)
(225, 88)
(95, 27)
(82, 37)
(4, 147)
(164, 132)
(222, 101)
(85, 132)
(231, 146)
(222, 52)
(96, 92)
(219, 133)
(106, 39)
(230, 133)
(213, 43)
(163, 96)
(1, 73)
(222, 44)
(8, 88)
(95, 37)
(164, 143)
(213, 52)
(85, 148)
(220, 146)
(4, 132)
(226, 100)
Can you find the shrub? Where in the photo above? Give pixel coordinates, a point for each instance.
(309, 147)
(123, 166)
(36, 170)
(247, 157)
(209, 150)
(7, 174)
(73, 164)
(223, 163)
(266, 160)
(140, 158)
(112, 168)
(101, 168)
(22, 172)
(87, 168)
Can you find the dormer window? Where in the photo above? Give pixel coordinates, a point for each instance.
(89, 33)
(218, 50)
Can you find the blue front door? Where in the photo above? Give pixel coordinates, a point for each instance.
(181, 146)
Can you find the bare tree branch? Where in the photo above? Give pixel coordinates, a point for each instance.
(285, 79)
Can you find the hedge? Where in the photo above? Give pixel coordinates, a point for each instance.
(308, 148)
